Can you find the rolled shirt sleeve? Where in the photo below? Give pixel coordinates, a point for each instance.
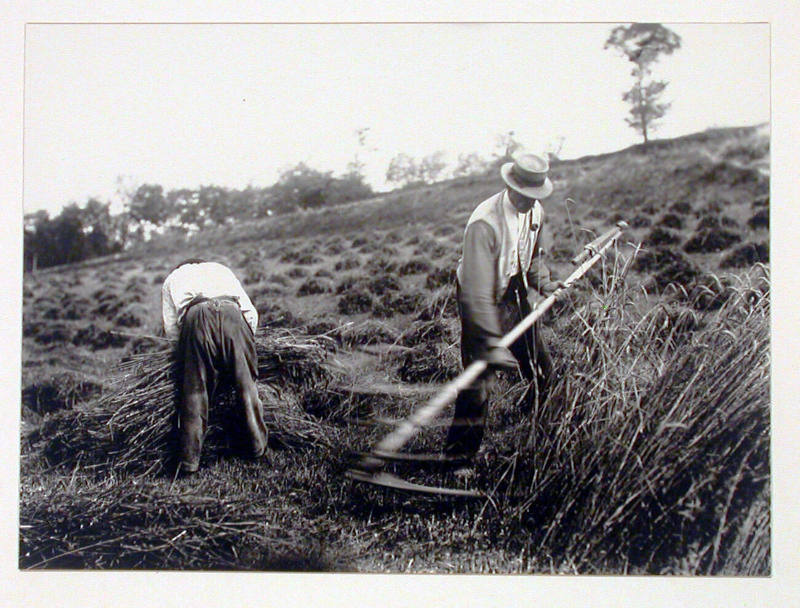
(248, 310)
(169, 313)
(246, 306)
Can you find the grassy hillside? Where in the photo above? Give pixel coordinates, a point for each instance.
(651, 455)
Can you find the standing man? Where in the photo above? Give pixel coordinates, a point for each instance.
(212, 323)
(501, 276)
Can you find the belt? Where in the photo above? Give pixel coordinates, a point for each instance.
(200, 299)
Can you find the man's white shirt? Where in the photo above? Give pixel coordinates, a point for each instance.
(207, 279)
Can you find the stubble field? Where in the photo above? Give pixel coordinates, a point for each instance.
(651, 455)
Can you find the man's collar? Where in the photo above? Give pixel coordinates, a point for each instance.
(509, 208)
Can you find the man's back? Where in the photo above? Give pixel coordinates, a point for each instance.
(201, 279)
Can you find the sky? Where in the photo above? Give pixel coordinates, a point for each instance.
(112, 106)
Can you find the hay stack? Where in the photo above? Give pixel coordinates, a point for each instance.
(131, 426)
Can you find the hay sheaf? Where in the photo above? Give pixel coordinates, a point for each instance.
(131, 427)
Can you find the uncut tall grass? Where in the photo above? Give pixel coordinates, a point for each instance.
(651, 454)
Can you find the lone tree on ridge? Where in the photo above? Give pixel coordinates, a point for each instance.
(642, 44)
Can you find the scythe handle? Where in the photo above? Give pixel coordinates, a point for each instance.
(409, 427)
(598, 243)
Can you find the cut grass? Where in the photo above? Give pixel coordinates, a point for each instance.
(647, 389)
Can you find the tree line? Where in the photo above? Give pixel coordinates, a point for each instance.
(82, 232)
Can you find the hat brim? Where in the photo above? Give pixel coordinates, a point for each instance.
(538, 192)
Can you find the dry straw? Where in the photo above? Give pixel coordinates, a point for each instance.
(131, 426)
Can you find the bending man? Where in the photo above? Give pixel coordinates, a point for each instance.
(213, 322)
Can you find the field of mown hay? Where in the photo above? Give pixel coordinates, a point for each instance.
(651, 455)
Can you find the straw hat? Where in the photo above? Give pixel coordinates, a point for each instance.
(527, 174)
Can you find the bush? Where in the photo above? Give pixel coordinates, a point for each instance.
(670, 220)
(74, 308)
(382, 308)
(710, 240)
(313, 286)
(323, 273)
(414, 266)
(307, 258)
(708, 221)
(348, 283)
(347, 264)
(440, 304)
(335, 247)
(407, 303)
(392, 237)
(711, 208)
(133, 316)
(58, 392)
(272, 314)
(297, 272)
(97, 338)
(51, 334)
(321, 326)
(279, 279)
(746, 255)
(109, 306)
(253, 275)
(382, 284)
(681, 207)
(355, 302)
(288, 256)
(427, 333)
(668, 267)
(661, 236)
(440, 277)
(266, 291)
(759, 220)
(382, 263)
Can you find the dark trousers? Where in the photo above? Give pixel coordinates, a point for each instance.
(216, 343)
(535, 364)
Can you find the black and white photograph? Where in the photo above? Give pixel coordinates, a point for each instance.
(398, 297)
